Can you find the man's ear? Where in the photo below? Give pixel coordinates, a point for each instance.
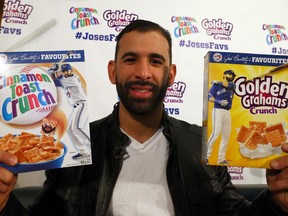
(112, 71)
(172, 74)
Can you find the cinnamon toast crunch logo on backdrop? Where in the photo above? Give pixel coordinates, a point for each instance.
(16, 12)
(175, 92)
(184, 26)
(275, 33)
(217, 28)
(119, 19)
(84, 17)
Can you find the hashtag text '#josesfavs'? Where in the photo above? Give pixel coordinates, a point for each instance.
(202, 45)
(279, 50)
(95, 37)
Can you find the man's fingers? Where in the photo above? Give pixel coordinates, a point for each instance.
(277, 177)
(8, 179)
(279, 185)
(8, 158)
(285, 147)
(4, 187)
(281, 162)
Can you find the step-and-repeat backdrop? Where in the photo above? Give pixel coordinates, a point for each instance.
(196, 28)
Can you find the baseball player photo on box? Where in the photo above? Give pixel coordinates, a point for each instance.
(245, 112)
(44, 110)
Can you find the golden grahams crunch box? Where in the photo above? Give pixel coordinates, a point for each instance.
(245, 111)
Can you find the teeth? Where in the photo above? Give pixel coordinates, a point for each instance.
(141, 90)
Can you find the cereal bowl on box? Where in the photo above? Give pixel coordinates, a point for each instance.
(34, 152)
(44, 165)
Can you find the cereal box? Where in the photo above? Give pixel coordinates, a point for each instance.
(44, 112)
(245, 111)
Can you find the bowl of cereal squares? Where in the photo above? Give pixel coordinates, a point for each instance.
(34, 152)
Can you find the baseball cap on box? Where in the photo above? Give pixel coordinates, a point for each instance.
(66, 67)
(229, 72)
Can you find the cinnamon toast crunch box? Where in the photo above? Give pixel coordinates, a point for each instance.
(245, 111)
(44, 114)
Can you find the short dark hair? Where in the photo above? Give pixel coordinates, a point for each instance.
(144, 26)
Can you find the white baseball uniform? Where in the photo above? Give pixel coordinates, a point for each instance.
(221, 122)
(78, 121)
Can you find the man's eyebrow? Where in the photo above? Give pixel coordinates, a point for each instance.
(132, 54)
(152, 55)
(156, 55)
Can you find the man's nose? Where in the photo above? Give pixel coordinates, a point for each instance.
(143, 70)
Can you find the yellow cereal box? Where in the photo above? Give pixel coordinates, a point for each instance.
(245, 108)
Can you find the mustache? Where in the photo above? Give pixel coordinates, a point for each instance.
(141, 83)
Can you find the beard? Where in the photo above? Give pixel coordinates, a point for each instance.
(229, 79)
(141, 106)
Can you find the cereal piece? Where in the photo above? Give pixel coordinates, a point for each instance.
(26, 135)
(58, 144)
(255, 139)
(50, 155)
(33, 155)
(274, 137)
(6, 137)
(33, 140)
(243, 134)
(47, 141)
(257, 125)
(11, 145)
(20, 155)
(47, 138)
(279, 127)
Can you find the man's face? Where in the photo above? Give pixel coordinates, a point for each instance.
(142, 71)
(67, 73)
(229, 77)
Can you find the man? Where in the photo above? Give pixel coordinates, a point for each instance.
(221, 94)
(122, 179)
(78, 120)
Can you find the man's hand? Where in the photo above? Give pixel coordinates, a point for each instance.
(7, 179)
(277, 179)
(55, 67)
(222, 102)
(53, 70)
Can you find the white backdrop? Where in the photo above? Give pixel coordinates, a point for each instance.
(238, 27)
